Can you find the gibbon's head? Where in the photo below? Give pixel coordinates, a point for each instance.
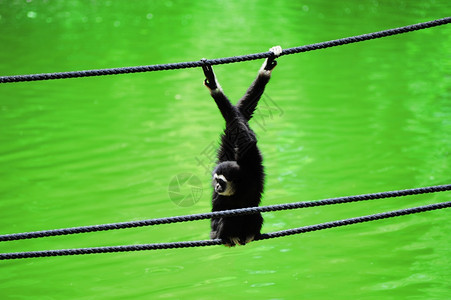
(224, 178)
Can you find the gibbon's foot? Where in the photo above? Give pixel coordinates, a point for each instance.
(233, 241)
(210, 79)
(270, 62)
(250, 239)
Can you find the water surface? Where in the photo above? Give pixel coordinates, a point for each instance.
(368, 117)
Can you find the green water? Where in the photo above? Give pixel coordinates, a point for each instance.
(361, 118)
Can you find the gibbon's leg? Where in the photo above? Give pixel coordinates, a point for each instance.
(248, 102)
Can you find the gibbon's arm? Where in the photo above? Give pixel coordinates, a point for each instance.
(238, 143)
(246, 150)
(248, 102)
(223, 103)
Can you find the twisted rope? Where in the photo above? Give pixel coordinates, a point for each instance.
(225, 213)
(226, 60)
(190, 244)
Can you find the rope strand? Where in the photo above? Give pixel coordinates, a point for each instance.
(225, 60)
(225, 213)
(203, 243)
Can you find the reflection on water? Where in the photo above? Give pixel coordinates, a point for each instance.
(360, 118)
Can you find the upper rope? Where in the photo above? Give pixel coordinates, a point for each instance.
(226, 60)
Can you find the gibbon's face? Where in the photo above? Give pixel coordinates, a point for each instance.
(222, 186)
(224, 176)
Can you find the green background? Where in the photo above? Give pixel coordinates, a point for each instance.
(361, 118)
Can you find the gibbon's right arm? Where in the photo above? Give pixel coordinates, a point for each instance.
(249, 101)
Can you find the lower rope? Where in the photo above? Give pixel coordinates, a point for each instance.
(225, 213)
(190, 244)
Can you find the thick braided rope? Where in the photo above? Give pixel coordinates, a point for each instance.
(226, 213)
(190, 244)
(225, 60)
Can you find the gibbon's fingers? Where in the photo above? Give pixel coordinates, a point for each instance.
(210, 84)
(276, 50)
(270, 64)
(208, 70)
(270, 61)
(207, 84)
(210, 81)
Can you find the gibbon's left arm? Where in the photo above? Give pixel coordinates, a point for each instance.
(228, 111)
(237, 135)
(248, 102)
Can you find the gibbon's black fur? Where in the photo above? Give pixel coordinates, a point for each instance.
(239, 175)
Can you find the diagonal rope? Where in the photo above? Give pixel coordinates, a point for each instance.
(225, 213)
(225, 60)
(190, 244)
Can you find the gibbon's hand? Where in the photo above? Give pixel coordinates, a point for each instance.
(270, 62)
(210, 79)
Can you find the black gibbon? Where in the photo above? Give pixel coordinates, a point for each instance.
(238, 177)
